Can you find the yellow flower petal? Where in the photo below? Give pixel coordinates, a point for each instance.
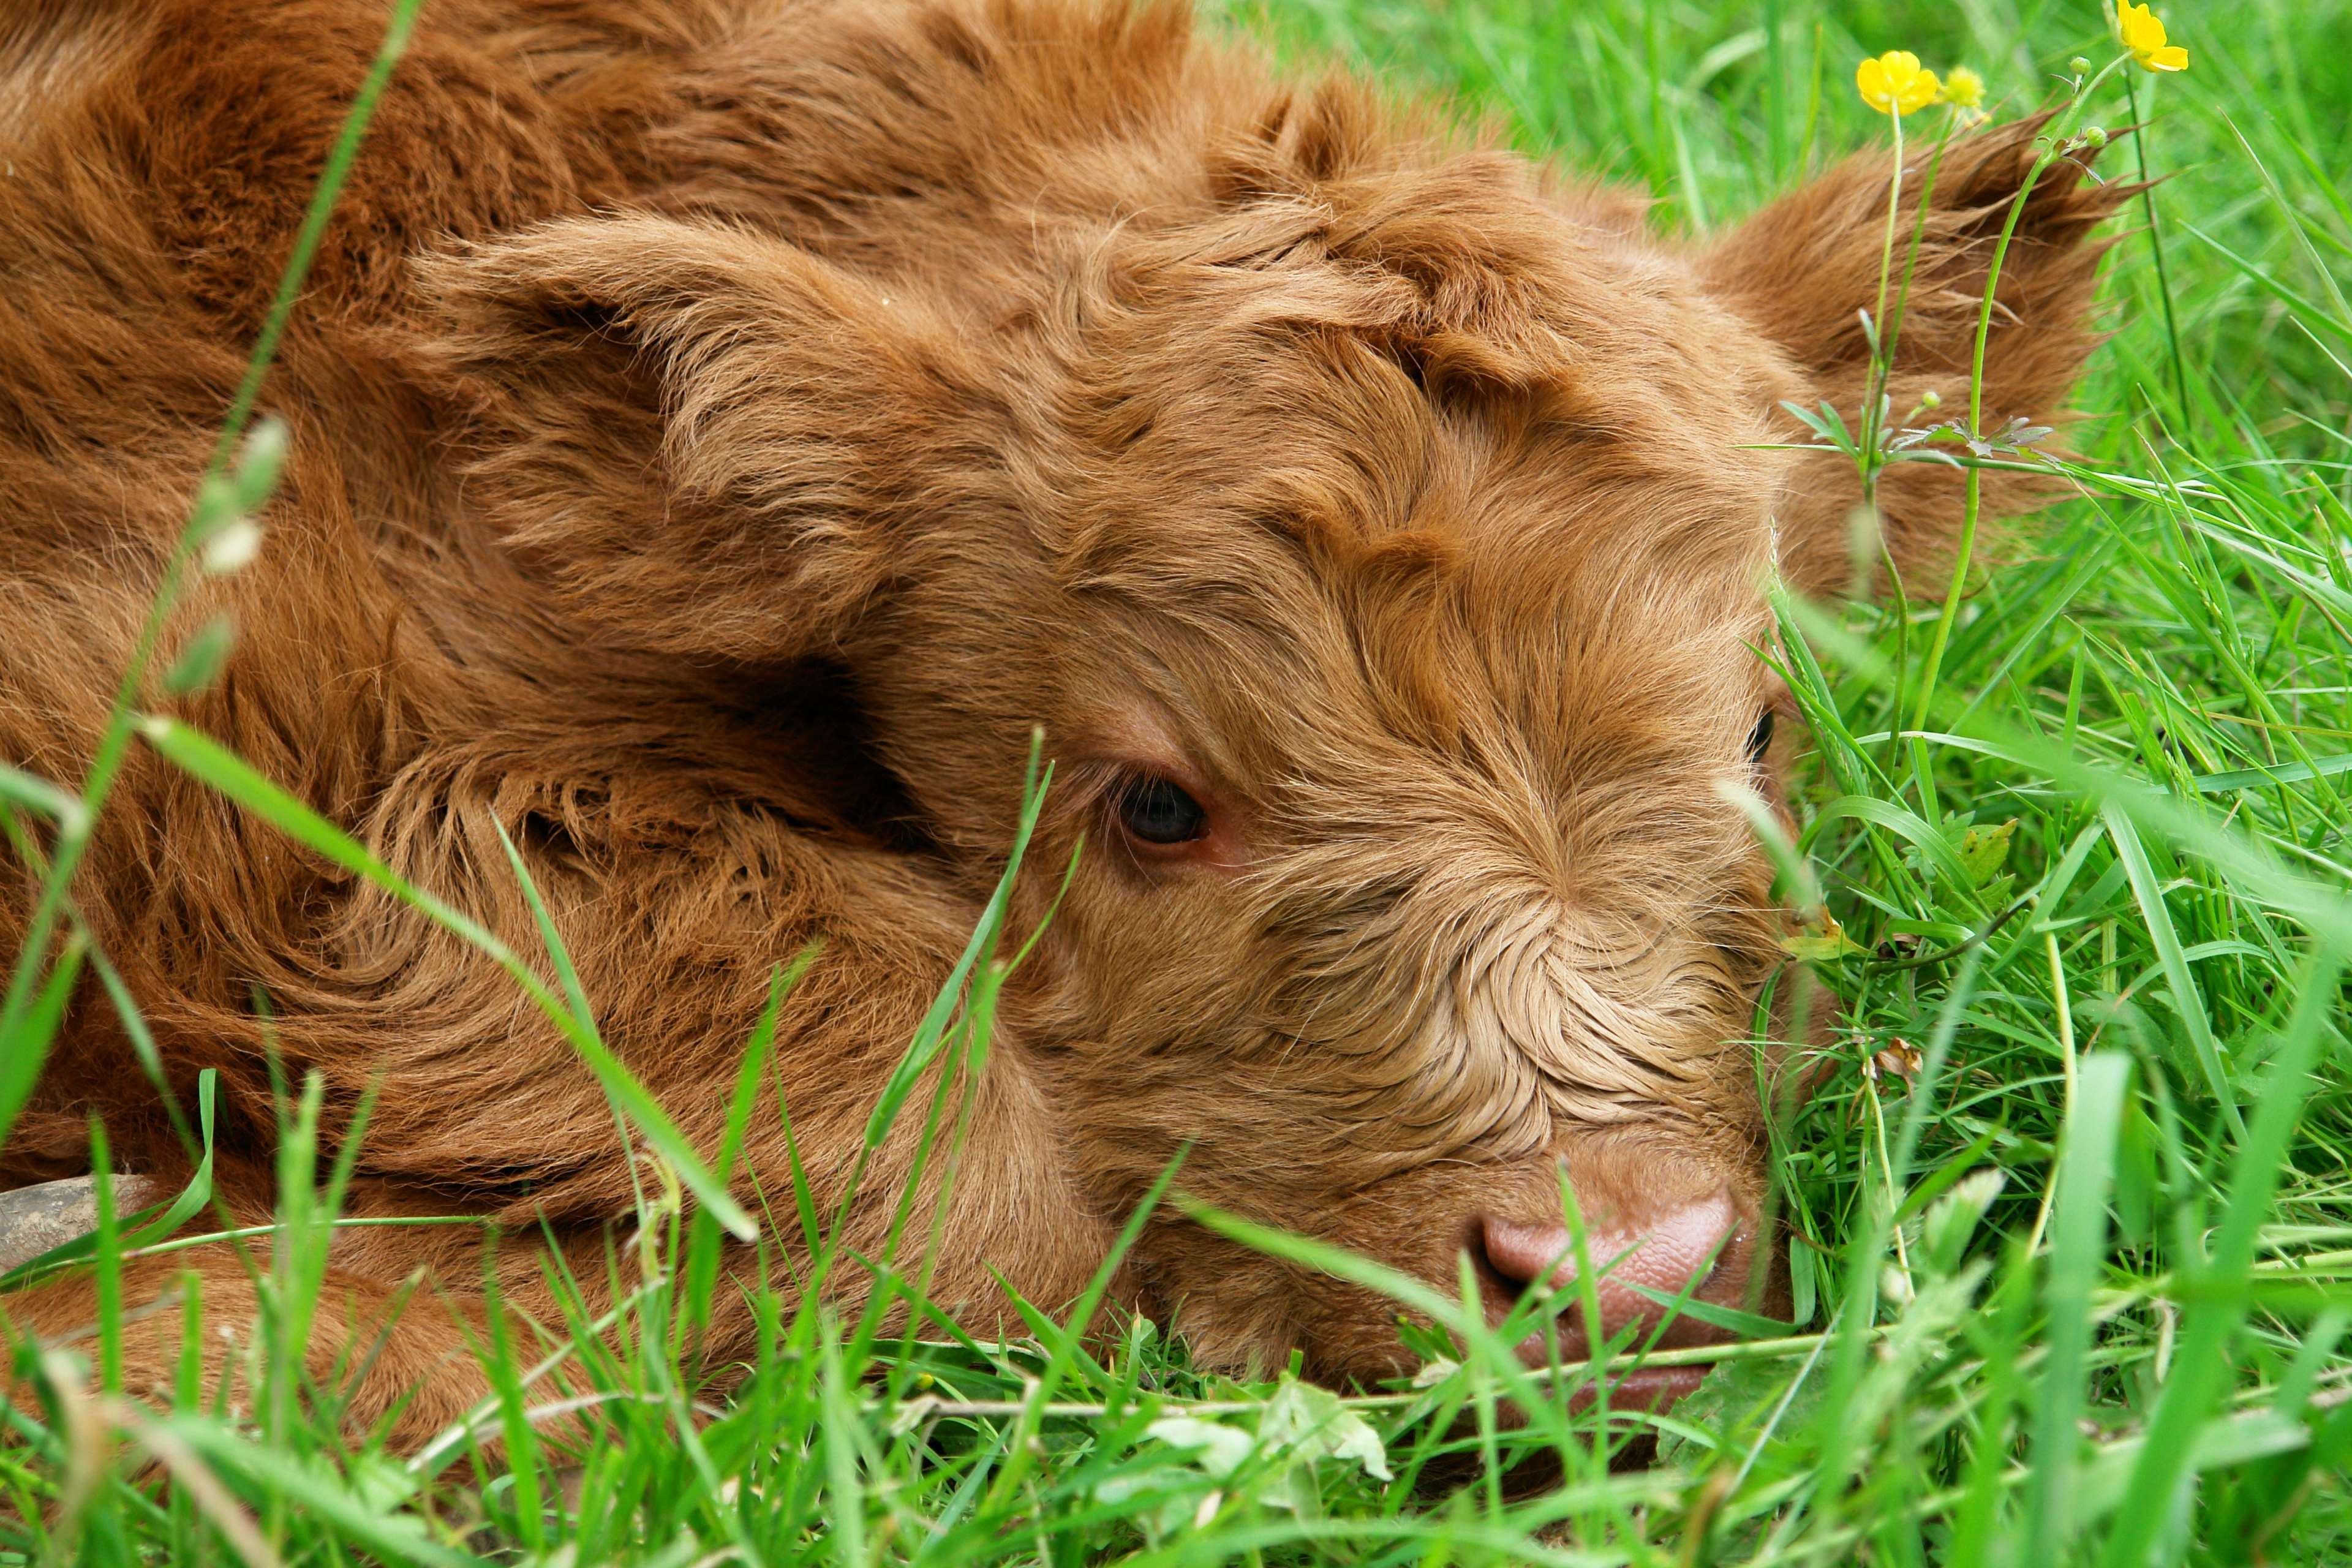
(1893, 83)
(2142, 32)
(1963, 87)
(1870, 80)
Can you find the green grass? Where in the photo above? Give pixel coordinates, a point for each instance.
(2072, 1207)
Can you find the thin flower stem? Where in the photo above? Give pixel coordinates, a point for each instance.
(1874, 455)
(1886, 1172)
(1887, 245)
(1891, 332)
(2065, 1020)
(2156, 245)
(1972, 504)
(1881, 353)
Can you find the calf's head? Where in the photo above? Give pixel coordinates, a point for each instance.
(1383, 554)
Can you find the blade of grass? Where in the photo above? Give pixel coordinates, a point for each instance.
(207, 761)
(2188, 1001)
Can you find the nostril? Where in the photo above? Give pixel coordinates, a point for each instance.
(1661, 1258)
(1523, 1253)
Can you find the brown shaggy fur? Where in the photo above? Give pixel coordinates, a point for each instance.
(723, 429)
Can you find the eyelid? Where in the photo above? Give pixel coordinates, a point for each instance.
(1126, 799)
(1217, 846)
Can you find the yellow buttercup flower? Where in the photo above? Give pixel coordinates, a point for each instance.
(2143, 34)
(1963, 88)
(1896, 83)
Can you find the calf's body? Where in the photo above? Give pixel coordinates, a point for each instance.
(722, 430)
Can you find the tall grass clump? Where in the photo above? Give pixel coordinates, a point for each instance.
(2068, 1210)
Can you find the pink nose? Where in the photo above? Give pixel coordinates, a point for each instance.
(1694, 1242)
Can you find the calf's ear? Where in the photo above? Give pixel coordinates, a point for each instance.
(703, 441)
(1803, 269)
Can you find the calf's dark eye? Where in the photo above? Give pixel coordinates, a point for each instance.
(1759, 739)
(1158, 812)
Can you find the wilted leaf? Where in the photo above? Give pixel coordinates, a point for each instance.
(1901, 1059)
(1120, 1489)
(1315, 1424)
(1353, 1438)
(1220, 1449)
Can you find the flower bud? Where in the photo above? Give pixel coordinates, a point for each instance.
(232, 548)
(1895, 1286)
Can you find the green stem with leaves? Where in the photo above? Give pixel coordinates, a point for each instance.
(2053, 143)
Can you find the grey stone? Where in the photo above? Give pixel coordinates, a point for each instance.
(35, 1219)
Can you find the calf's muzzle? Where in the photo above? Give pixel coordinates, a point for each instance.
(1700, 1244)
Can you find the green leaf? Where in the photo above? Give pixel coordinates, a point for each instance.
(2188, 1001)
(1985, 851)
(1740, 1396)
(2263, 778)
(163, 1221)
(2077, 1247)
(1750, 1325)
(1824, 942)
(208, 761)
(24, 1047)
(1804, 1283)
(199, 664)
(1953, 1218)
(34, 792)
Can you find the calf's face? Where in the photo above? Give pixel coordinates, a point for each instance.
(1394, 702)
(1385, 563)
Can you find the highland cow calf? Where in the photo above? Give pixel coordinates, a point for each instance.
(723, 430)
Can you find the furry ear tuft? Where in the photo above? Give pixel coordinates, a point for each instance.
(1804, 269)
(699, 439)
